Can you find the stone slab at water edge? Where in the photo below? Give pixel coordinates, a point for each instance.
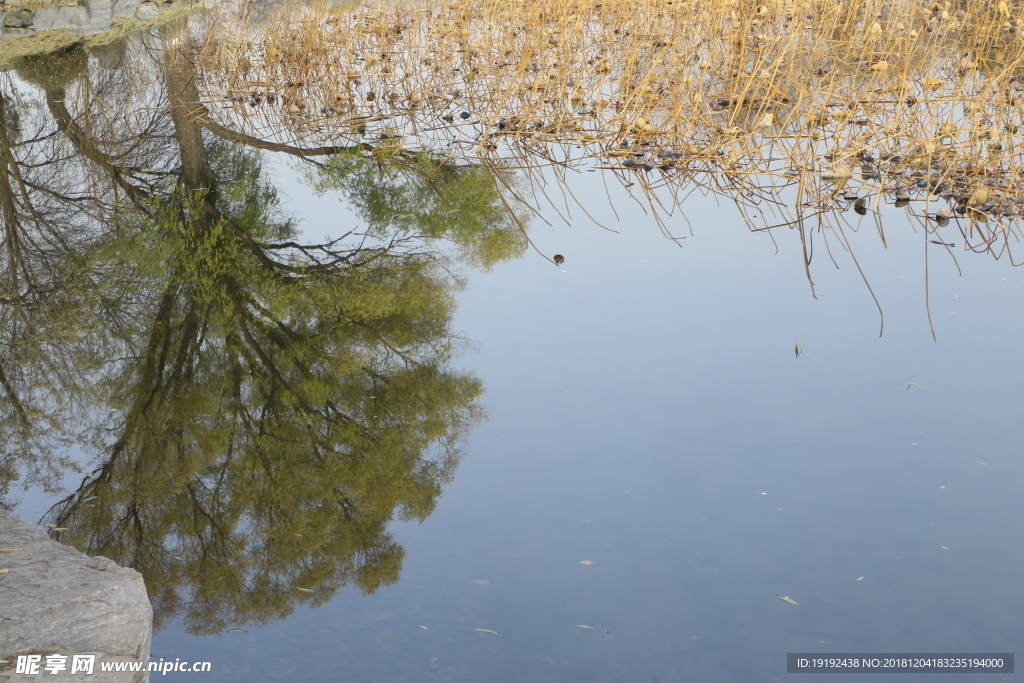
(89, 17)
(56, 600)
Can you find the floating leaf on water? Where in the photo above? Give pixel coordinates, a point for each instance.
(86, 500)
(424, 628)
(587, 562)
(981, 463)
(767, 121)
(640, 126)
(978, 197)
(50, 525)
(833, 175)
(304, 590)
(480, 581)
(179, 558)
(860, 578)
(798, 349)
(584, 626)
(909, 384)
(607, 630)
(484, 630)
(237, 630)
(787, 599)
(4, 571)
(60, 528)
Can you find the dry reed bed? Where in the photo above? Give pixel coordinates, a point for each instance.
(863, 99)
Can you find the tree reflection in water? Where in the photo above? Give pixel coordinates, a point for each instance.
(259, 408)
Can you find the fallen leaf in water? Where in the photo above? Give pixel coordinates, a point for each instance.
(487, 631)
(587, 562)
(981, 463)
(909, 384)
(480, 581)
(783, 597)
(60, 528)
(607, 631)
(4, 571)
(860, 578)
(798, 349)
(590, 627)
(304, 590)
(237, 630)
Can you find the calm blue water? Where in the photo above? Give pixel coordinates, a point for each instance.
(659, 466)
(647, 415)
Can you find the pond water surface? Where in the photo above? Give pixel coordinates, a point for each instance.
(676, 433)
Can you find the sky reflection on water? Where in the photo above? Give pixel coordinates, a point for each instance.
(647, 413)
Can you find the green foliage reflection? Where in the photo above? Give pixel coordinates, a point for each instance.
(260, 408)
(432, 197)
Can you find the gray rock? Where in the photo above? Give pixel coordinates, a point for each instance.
(125, 9)
(43, 18)
(147, 11)
(100, 14)
(20, 19)
(72, 19)
(93, 17)
(54, 598)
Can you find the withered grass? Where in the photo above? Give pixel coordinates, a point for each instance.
(835, 100)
